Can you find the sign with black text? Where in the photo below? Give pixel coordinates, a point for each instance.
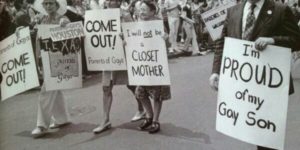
(72, 30)
(253, 93)
(103, 44)
(17, 63)
(214, 19)
(146, 53)
(61, 60)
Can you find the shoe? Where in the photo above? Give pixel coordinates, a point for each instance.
(54, 125)
(196, 54)
(38, 132)
(145, 124)
(186, 53)
(103, 128)
(202, 53)
(155, 127)
(138, 116)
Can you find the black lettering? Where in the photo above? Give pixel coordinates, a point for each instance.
(250, 74)
(251, 118)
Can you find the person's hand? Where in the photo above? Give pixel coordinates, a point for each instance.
(37, 19)
(214, 81)
(124, 43)
(121, 35)
(18, 31)
(262, 42)
(63, 22)
(165, 36)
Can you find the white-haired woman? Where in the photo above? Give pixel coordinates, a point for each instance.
(51, 105)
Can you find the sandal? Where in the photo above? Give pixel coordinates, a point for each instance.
(145, 124)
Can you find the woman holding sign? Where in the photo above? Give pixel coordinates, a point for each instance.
(111, 78)
(51, 103)
(157, 93)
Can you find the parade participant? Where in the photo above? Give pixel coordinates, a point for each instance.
(109, 79)
(7, 27)
(22, 16)
(51, 105)
(173, 10)
(262, 21)
(162, 13)
(188, 27)
(126, 8)
(157, 93)
(198, 8)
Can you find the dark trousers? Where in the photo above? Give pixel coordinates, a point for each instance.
(264, 148)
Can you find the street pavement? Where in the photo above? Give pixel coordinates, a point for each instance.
(187, 120)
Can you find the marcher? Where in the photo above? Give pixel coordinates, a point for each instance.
(109, 79)
(274, 25)
(188, 27)
(51, 105)
(173, 10)
(7, 27)
(157, 93)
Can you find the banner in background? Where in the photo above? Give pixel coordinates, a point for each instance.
(214, 19)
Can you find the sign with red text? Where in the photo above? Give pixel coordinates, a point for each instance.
(17, 63)
(146, 53)
(103, 44)
(214, 19)
(61, 60)
(253, 93)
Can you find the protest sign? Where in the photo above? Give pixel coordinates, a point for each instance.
(253, 93)
(146, 53)
(17, 63)
(61, 60)
(103, 44)
(296, 65)
(214, 19)
(72, 30)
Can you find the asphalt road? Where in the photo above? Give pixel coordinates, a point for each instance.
(187, 120)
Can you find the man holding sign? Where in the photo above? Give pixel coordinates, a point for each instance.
(262, 21)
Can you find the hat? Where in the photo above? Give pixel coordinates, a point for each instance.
(38, 5)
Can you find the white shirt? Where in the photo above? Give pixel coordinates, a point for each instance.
(247, 10)
(172, 4)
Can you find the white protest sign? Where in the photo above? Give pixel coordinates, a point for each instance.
(61, 61)
(214, 19)
(253, 93)
(17, 64)
(103, 44)
(146, 53)
(72, 30)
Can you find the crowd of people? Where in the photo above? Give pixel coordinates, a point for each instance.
(186, 36)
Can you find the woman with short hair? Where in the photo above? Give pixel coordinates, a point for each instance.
(51, 106)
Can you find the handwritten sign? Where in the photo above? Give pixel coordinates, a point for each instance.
(146, 53)
(214, 19)
(17, 63)
(253, 93)
(61, 60)
(72, 30)
(103, 44)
